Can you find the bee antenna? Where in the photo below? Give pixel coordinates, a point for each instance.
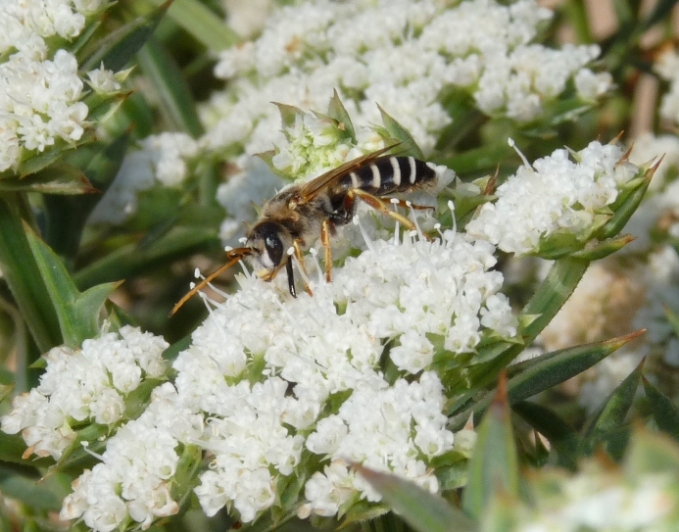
(234, 256)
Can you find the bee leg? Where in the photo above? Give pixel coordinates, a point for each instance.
(381, 206)
(291, 278)
(300, 260)
(406, 204)
(326, 229)
(377, 204)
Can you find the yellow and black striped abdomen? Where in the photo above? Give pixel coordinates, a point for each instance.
(388, 175)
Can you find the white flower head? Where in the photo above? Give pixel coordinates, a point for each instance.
(134, 479)
(40, 89)
(86, 384)
(309, 350)
(553, 195)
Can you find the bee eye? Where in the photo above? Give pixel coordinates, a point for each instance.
(274, 248)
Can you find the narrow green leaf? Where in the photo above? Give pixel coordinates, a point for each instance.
(596, 250)
(561, 436)
(396, 131)
(664, 411)
(23, 276)
(129, 260)
(175, 98)
(553, 292)
(660, 12)
(422, 510)
(624, 12)
(120, 46)
(578, 19)
(625, 211)
(12, 449)
(494, 467)
(66, 216)
(5, 391)
(42, 160)
(37, 494)
(81, 41)
(606, 428)
(288, 113)
(672, 319)
(204, 25)
(337, 111)
(550, 296)
(78, 313)
(59, 178)
(541, 373)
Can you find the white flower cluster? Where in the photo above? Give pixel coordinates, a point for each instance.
(161, 158)
(555, 195)
(400, 55)
(39, 92)
(314, 349)
(384, 429)
(667, 68)
(135, 477)
(168, 152)
(79, 386)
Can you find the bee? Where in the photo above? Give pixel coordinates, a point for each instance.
(294, 218)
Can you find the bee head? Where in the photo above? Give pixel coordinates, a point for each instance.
(269, 242)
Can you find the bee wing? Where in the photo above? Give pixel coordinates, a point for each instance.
(311, 189)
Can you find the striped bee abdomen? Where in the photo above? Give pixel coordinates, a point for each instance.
(388, 175)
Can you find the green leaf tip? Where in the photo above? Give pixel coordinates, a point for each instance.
(423, 511)
(78, 313)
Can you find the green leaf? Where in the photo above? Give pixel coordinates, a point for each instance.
(37, 494)
(672, 319)
(78, 313)
(538, 374)
(541, 373)
(129, 259)
(624, 12)
(288, 114)
(12, 449)
(120, 46)
(660, 12)
(596, 250)
(606, 428)
(5, 391)
(175, 98)
(561, 436)
(66, 216)
(23, 276)
(58, 178)
(625, 207)
(552, 293)
(204, 25)
(396, 131)
(38, 162)
(422, 510)
(337, 111)
(664, 411)
(494, 467)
